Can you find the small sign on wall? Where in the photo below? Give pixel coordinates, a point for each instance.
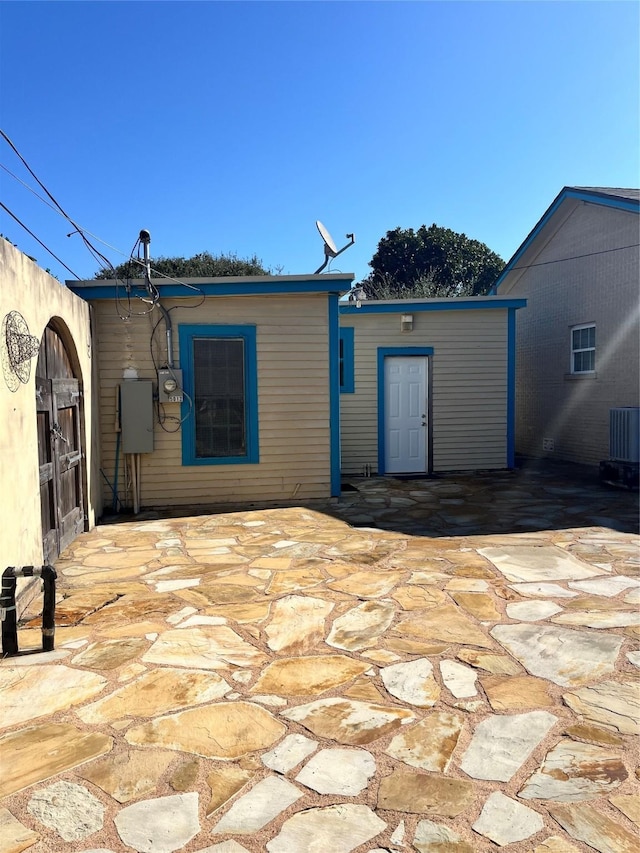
(548, 444)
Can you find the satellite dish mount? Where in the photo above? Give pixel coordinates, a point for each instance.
(330, 250)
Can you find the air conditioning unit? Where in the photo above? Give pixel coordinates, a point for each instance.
(624, 434)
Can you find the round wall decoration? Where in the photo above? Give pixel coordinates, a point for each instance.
(18, 348)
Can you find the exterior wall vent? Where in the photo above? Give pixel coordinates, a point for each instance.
(624, 434)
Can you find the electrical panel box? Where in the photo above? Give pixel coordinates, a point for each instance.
(170, 385)
(136, 416)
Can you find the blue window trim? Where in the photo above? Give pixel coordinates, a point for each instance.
(334, 396)
(383, 352)
(348, 355)
(248, 333)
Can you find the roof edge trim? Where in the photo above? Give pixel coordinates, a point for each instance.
(457, 303)
(630, 205)
(231, 286)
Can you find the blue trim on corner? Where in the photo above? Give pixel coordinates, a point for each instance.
(348, 385)
(511, 388)
(453, 304)
(631, 205)
(334, 396)
(248, 333)
(383, 352)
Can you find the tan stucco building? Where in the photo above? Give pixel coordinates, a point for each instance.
(48, 445)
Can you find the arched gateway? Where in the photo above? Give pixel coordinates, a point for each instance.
(58, 404)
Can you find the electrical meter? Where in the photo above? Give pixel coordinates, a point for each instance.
(170, 385)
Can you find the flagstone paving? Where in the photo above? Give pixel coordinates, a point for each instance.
(446, 665)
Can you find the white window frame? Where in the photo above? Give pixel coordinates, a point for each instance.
(576, 350)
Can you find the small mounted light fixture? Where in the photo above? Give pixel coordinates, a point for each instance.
(357, 295)
(406, 323)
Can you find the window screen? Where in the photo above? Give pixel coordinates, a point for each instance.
(583, 349)
(219, 397)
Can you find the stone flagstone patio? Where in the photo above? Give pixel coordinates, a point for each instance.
(442, 665)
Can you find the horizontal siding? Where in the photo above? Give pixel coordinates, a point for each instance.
(293, 402)
(468, 393)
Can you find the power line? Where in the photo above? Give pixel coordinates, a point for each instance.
(96, 254)
(170, 277)
(55, 209)
(575, 257)
(46, 248)
(24, 184)
(100, 259)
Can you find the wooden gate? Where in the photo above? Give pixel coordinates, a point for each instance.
(58, 396)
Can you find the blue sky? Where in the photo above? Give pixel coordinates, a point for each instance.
(233, 126)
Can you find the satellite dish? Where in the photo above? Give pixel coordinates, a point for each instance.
(329, 245)
(330, 250)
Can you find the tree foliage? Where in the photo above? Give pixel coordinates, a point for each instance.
(431, 262)
(202, 265)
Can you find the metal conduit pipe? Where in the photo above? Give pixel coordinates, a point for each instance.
(169, 332)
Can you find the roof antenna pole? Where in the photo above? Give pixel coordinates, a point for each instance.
(145, 239)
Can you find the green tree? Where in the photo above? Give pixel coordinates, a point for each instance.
(431, 262)
(202, 265)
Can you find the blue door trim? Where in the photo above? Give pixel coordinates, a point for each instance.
(384, 352)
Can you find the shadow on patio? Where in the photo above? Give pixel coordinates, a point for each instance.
(432, 662)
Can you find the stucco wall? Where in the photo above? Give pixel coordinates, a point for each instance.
(468, 393)
(601, 288)
(26, 288)
(293, 401)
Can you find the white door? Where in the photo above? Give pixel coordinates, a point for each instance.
(405, 414)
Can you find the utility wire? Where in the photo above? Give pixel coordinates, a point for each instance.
(101, 259)
(26, 185)
(56, 210)
(96, 254)
(46, 248)
(171, 278)
(575, 257)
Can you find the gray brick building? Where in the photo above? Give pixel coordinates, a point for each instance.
(578, 339)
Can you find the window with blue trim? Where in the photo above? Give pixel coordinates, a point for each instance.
(347, 382)
(220, 376)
